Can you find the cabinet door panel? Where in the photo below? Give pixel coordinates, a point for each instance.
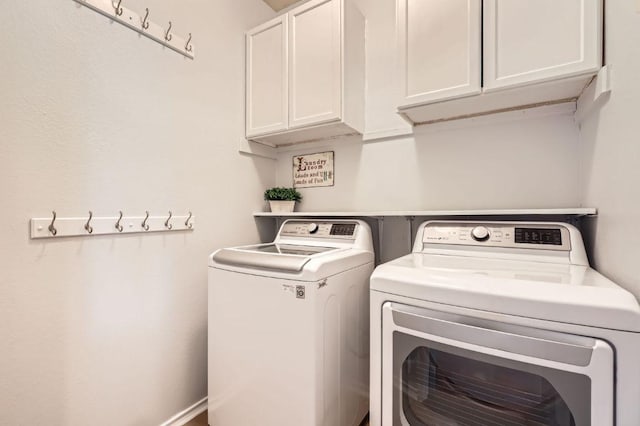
(315, 66)
(440, 48)
(528, 41)
(266, 105)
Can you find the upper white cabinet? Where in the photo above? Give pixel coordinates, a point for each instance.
(529, 41)
(460, 58)
(267, 83)
(440, 44)
(305, 74)
(315, 68)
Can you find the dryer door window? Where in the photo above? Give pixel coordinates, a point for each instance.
(441, 388)
(448, 370)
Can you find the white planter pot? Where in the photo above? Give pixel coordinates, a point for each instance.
(282, 206)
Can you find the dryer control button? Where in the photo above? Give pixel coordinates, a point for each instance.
(480, 233)
(313, 228)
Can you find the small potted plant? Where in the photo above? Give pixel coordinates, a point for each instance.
(282, 200)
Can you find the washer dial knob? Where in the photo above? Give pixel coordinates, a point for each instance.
(313, 228)
(480, 233)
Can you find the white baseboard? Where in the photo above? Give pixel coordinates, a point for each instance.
(189, 414)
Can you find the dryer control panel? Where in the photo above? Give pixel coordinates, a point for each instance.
(321, 229)
(494, 234)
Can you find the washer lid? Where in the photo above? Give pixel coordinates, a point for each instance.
(554, 292)
(279, 257)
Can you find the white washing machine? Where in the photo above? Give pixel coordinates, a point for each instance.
(289, 328)
(501, 323)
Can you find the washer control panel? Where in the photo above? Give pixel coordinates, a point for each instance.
(332, 230)
(509, 235)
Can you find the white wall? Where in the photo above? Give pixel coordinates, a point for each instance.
(518, 160)
(610, 152)
(112, 330)
(503, 162)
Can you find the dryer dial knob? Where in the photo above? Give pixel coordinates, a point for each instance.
(480, 233)
(313, 228)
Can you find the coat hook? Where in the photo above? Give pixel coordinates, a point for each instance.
(118, 226)
(52, 228)
(145, 22)
(187, 222)
(168, 36)
(145, 226)
(188, 46)
(87, 226)
(166, 223)
(118, 9)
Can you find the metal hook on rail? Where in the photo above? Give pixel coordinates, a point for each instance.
(118, 9)
(187, 222)
(87, 226)
(166, 223)
(52, 228)
(145, 22)
(118, 226)
(168, 36)
(188, 46)
(145, 225)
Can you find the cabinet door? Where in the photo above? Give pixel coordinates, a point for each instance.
(439, 45)
(528, 41)
(267, 80)
(315, 68)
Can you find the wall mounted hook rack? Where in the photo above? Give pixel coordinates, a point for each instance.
(141, 24)
(59, 227)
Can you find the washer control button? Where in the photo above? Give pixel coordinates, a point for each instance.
(313, 228)
(480, 233)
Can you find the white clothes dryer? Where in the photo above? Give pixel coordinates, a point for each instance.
(289, 327)
(501, 323)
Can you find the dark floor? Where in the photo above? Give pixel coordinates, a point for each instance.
(201, 420)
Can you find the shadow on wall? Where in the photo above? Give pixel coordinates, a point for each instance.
(588, 146)
(198, 346)
(526, 159)
(589, 231)
(523, 159)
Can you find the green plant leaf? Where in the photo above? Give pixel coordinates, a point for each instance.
(282, 194)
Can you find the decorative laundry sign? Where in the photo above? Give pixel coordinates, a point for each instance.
(313, 170)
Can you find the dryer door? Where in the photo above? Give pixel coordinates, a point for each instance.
(447, 370)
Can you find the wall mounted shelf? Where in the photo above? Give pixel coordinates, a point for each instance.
(580, 211)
